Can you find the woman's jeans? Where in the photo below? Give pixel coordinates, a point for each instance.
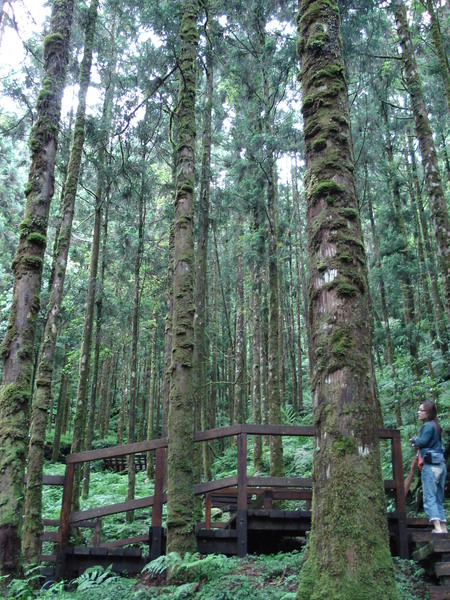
(433, 484)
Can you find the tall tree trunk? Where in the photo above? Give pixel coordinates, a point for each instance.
(273, 381)
(134, 351)
(442, 56)
(17, 346)
(123, 389)
(200, 342)
(151, 430)
(384, 310)
(349, 553)
(62, 400)
(429, 257)
(257, 340)
(95, 373)
(180, 491)
(433, 181)
(404, 253)
(79, 427)
(301, 261)
(238, 376)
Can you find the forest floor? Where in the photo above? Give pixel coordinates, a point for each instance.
(212, 577)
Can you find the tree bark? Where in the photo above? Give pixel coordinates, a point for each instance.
(180, 492)
(433, 181)
(349, 553)
(404, 253)
(17, 346)
(134, 351)
(442, 56)
(201, 288)
(79, 427)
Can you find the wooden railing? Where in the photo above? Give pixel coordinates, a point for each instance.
(287, 487)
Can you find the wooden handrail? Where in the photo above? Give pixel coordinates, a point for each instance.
(80, 457)
(241, 483)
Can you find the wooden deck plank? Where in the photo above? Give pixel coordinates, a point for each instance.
(441, 592)
(442, 569)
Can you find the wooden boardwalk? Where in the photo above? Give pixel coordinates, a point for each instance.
(251, 505)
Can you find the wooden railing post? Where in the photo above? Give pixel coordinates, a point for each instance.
(156, 530)
(400, 502)
(63, 534)
(242, 494)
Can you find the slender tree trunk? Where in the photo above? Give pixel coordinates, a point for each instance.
(299, 331)
(79, 427)
(273, 381)
(238, 376)
(98, 339)
(168, 335)
(404, 254)
(17, 346)
(384, 311)
(301, 261)
(257, 337)
(134, 352)
(151, 405)
(433, 181)
(349, 553)
(429, 257)
(180, 492)
(62, 400)
(201, 288)
(442, 56)
(123, 399)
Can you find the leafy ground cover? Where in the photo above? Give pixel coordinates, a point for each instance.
(213, 577)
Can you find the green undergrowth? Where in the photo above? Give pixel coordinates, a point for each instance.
(212, 577)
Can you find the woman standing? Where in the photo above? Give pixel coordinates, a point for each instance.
(434, 469)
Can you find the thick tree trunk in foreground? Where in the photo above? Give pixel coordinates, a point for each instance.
(17, 347)
(433, 181)
(349, 553)
(180, 492)
(33, 526)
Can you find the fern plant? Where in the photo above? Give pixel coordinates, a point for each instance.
(191, 567)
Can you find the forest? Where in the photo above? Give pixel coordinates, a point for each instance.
(220, 213)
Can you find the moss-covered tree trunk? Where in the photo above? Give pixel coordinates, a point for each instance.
(258, 260)
(84, 368)
(201, 289)
(42, 395)
(348, 553)
(405, 256)
(180, 493)
(239, 345)
(134, 350)
(438, 44)
(168, 335)
(384, 309)
(273, 346)
(17, 346)
(433, 180)
(301, 272)
(91, 413)
(59, 421)
(430, 262)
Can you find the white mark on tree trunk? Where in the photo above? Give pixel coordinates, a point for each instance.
(330, 275)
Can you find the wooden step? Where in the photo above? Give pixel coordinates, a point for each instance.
(439, 544)
(441, 592)
(442, 569)
(420, 535)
